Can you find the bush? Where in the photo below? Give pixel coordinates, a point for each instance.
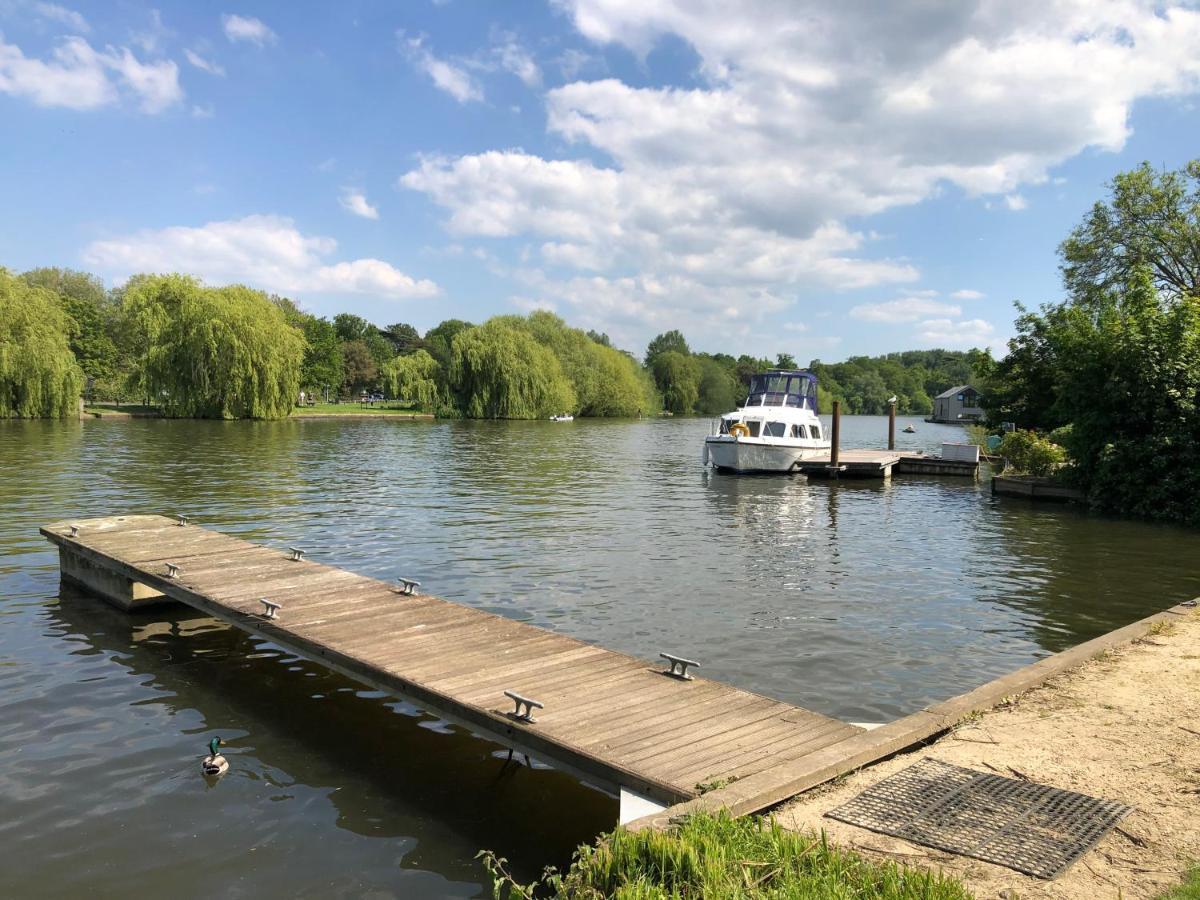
(1026, 453)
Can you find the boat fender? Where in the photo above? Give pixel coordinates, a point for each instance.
(739, 429)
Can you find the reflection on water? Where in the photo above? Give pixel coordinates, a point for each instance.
(864, 600)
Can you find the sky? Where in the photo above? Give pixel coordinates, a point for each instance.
(768, 176)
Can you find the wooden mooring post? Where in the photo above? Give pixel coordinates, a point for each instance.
(835, 435)
(892, 426)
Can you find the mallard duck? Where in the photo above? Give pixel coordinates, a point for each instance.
(214, 763)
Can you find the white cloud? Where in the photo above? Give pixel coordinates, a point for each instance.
(446, 76)
(949, 334)
(514, 58)
(1015, 202)
(355, 201)
(906, 309)
(203, 64)
(203, 112)
(265, 251)
(69, 17)
(154, 36)
(968, 294)
(247, 28)
(803, 117)
(76, 76)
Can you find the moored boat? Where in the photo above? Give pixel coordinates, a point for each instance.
(774, 430)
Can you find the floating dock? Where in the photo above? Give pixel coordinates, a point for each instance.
(621, 723)
(883, 464)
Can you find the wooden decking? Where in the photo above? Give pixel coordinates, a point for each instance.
(853, 464)
(609, 718)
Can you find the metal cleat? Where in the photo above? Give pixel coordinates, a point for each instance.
(407, 585)
(172, 570)
(181, 520)
(679, 666)
(296, 554)
(522, 702)
(269, 608)
(74, 530)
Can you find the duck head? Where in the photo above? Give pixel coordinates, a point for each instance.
(214, 745)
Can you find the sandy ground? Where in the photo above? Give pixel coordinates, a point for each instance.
(1125, 726)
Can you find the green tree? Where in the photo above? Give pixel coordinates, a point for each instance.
(360, 372)
(211, 352)
(719, 389)
(403, 338)
(39, 377)
(350, 327)
(323, 369)
(785, 361)
(499, 371)
(94, 326)
(1150, 222)
(678, 378)
(671, 341)
(413, 378)
(437, 342)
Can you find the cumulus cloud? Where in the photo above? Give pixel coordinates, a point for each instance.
(355, 201)
(63, 16)
(805, 116)
(247, 29)
(1015, 202)
(951, 334)
(968, 294)
(514, 58)
(446, 76)
(906, 309)
(204, 65)
(265, 251)
(77, 76)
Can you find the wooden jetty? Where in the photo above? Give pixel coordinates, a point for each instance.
(883, 464)
(621, 723)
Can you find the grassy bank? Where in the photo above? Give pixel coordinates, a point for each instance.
(716, 857)
(357, 409)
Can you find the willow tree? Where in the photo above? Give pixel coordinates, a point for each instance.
(413, 378)
(214, 353)
(499, 371)
(39, 377)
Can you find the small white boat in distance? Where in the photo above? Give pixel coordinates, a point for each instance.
(562, 418)
(774, 430)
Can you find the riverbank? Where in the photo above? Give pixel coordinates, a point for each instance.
(1123, 726)
(320, 411)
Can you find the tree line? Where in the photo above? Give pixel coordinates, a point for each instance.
(193, 350)
(1112, 373)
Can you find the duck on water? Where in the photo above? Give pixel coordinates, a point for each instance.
(774, 430)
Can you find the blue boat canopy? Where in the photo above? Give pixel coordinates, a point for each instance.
(784, 387)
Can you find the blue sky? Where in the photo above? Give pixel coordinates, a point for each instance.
(768, 177)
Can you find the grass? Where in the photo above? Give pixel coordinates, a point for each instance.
(354, 409)
(1189, 890)
(716, 857)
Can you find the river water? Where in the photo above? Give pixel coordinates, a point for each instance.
(862, 600)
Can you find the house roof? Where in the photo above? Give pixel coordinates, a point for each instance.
(950, 392)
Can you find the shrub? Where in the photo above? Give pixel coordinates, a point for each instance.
(1026, 453)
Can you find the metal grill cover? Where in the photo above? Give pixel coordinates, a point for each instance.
(1032, 828)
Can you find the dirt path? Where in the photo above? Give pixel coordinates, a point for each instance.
(1125, 726)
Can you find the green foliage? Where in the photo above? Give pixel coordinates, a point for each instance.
(719, 388)
(864, 384)
(499, 371)
(350, 327)
(360, 372)
(1151, 222)
(412, 378)
(403, 338)
(1027, 454)
(213, 352)
(671, 342)
(678, 378)
(323, 368)
(1188, 890)
(717, 857)
(39, 377)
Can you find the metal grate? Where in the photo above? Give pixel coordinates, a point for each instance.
(1032, 828)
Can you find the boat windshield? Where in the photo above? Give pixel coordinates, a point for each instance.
(783, 389)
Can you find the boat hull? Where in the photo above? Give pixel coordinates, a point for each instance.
(750, 455)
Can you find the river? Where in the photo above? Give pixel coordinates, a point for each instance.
(862, 600)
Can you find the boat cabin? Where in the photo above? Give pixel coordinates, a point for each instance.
(784, 387)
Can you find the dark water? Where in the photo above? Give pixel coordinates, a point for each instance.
(861, 600)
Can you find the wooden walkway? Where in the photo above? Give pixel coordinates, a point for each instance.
(608, 718)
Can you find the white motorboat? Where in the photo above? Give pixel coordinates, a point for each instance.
(562, 418)
(774, 430)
